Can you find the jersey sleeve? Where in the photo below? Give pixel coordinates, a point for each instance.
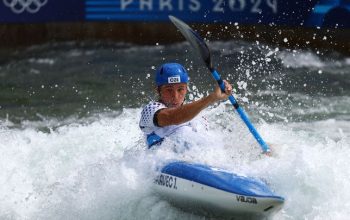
(147, 116)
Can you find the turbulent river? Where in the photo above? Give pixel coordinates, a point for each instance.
(71, 148)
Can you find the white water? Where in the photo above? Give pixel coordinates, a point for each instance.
(97, 168)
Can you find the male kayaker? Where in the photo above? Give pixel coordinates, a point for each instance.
(170, 114)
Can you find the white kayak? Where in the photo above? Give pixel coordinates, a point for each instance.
(201, 188)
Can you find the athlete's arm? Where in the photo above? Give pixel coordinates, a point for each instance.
(186, 112)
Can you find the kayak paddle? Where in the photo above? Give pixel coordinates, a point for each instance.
(202, 48)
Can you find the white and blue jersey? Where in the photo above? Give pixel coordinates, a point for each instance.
(149, 124)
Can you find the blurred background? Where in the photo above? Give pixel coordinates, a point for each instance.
(74, 76)
(314, 23)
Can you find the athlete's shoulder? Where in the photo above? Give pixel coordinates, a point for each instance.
(147, 114)
(152, 107)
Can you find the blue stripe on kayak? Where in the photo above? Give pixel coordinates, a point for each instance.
(219, 179)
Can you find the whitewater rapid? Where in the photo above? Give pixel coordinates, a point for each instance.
(71, 148)
(99, 168)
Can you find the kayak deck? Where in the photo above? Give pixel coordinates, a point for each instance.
(201, 187)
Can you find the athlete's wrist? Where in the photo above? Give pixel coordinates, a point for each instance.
(212, 98)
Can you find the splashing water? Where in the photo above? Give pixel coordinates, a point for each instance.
(60, 160)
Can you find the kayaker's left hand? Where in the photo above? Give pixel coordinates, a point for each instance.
(219, 95)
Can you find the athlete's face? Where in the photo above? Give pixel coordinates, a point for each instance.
(173, 95)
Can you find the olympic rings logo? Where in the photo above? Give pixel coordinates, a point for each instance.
(19, 6)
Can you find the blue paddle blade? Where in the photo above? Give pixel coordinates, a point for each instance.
(195, 40)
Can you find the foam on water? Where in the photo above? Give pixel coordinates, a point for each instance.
(97, 168)
(93, 165)
(301, 59)
(60, 174)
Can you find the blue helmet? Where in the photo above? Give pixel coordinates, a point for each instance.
(170, 73)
